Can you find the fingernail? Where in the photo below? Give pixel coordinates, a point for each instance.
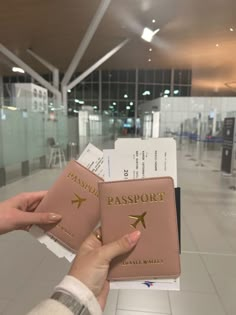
(54, 217)
(134, 237)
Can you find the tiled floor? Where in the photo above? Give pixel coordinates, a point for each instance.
(28, 271)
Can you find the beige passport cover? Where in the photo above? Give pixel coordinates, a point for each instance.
(74, 195)
(147, 205)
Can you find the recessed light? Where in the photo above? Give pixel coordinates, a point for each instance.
(69, 91)
(114, 103)
(127, 107)
(148, 34)
(217, 45)
(125, 96)
(153, 21)
(149, 60)
(150, 49)
(131, 103)
(231, 29)
(17, 69)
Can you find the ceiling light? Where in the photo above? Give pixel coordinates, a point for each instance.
(75, 111)
(125, 96)
(69, 90)
(131, 103)
(217, 45)
(153, 21)
(149, 60)
(148, 34)
(176, 92)
(165, 95)
(150, 49)
(10, 107)
(127, 107)
(79, 102)
(167, 92)
(95, 107)
(16, 69)
(231, 29)
(111, 107)
(146, 93)
(114, 103)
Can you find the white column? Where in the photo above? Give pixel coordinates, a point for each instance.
(1, 91)
(136, 101)
(100, 92)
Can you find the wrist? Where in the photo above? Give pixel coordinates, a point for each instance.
(70, 302)
(81, 293)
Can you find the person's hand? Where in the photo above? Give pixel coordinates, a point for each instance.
(92, 262)
(17, 213)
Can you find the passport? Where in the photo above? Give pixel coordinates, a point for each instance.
(74, 195)
(147, 205)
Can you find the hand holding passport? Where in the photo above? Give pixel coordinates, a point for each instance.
(148, 205)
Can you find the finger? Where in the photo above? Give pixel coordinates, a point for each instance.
(27, 201)
(24, 219)
(122, 246)
(90, 243)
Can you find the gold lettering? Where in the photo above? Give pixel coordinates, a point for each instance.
(144, 198)
(130, 199)
(136, 198)
(153, 197)
(117, 201)
(110, 201)
(124, 199)
(161, 194)
(155, 261)
(82, 183)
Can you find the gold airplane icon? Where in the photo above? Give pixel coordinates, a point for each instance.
(139, 218)
(78, 200)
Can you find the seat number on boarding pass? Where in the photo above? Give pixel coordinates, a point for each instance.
(126, 174)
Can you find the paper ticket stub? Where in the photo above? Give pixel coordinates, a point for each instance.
(137, 158)
(160, 284)
(92, 159)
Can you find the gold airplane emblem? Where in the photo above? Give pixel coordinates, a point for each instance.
(139, 218)
(78, 200)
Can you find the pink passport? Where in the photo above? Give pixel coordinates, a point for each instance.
(147, 205)
(74, 195)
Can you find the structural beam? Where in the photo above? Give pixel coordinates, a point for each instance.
(41, 60)
(53, 69)
(28, 69)
(136, 101)
(97, 64)
(85, 41)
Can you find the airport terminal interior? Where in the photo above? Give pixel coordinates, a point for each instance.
(94, 71)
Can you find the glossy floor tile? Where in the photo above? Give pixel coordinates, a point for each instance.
(29, 272)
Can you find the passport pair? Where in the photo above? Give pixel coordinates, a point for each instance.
(148, 205)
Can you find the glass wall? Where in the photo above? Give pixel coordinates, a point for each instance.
(118, 89)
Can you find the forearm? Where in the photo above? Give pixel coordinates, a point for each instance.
(71, 297)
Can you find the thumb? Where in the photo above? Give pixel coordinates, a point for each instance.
(122, 246)
(29, 218)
